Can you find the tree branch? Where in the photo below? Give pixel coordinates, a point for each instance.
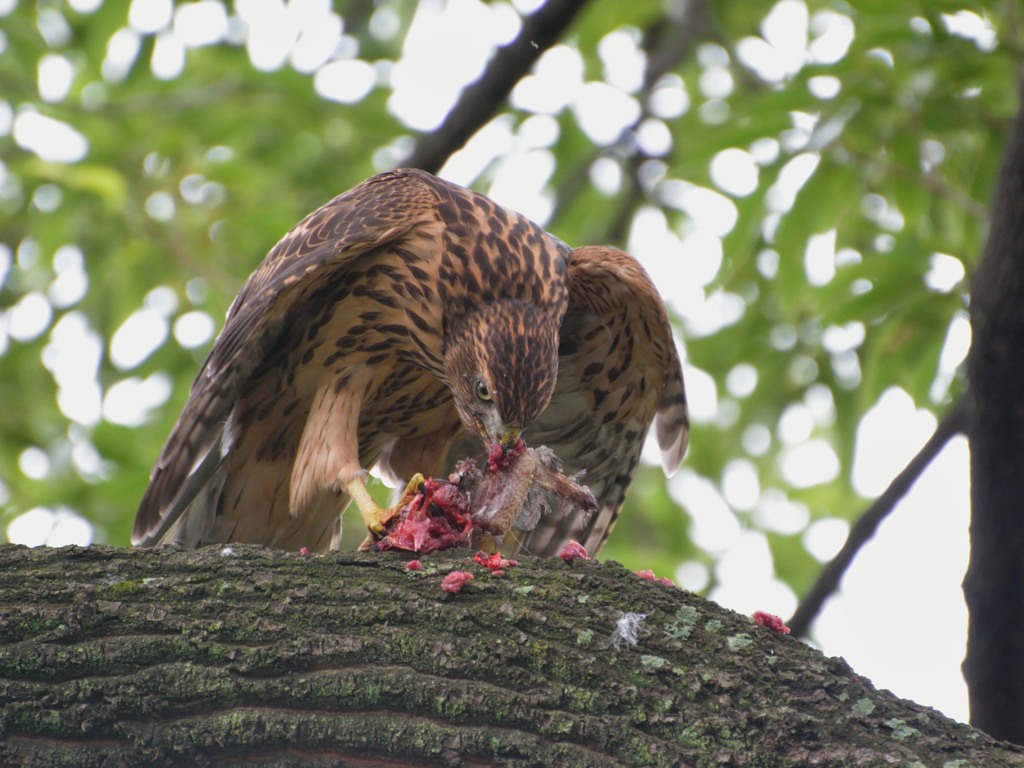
(255, 657)
(667, 43)
(481, 100)
(952, 424)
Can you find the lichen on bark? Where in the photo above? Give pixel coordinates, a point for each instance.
(246, 656)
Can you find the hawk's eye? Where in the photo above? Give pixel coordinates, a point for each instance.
(482, 391)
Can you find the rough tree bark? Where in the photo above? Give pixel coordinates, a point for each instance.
(248, 656)
(994, 666)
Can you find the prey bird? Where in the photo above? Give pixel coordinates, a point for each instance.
(399, 326)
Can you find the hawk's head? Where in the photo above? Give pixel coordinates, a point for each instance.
(501, 360)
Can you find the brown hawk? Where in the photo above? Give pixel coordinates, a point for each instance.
(401, 318)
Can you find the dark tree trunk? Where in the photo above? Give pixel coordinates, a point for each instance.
(994, 585)
(247, 656)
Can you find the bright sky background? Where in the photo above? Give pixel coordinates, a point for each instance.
(900, 618)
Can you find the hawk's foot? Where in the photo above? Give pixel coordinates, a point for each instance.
(374, 516)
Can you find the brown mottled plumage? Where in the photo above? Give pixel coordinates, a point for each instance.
(391, 323)
(618, 370)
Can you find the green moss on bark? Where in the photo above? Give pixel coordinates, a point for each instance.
(167, 658)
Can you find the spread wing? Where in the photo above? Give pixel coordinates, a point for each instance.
(380, 211)
(619, 371)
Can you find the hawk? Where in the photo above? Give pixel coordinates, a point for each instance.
(399, 326)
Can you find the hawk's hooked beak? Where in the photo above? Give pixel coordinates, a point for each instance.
(509, 438)
(503, 446)
(496, 433)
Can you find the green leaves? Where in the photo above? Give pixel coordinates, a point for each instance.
(190, 179)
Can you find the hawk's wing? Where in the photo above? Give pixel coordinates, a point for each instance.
(381, 210)
(618, 372)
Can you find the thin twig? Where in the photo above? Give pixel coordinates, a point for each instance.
(667, 43)
(481, 100)
(951, 425)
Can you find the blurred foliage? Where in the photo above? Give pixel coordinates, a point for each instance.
(189, 178)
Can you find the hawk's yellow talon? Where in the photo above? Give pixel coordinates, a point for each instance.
(374, 516)
(411, 489)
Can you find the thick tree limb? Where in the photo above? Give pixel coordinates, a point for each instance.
(994, 667)
(478, 103)
(952, 424)
(166, 657)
